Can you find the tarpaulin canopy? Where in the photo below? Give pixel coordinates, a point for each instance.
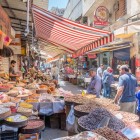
(68, 34)
(111, 47)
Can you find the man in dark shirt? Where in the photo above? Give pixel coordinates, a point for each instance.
(12, 73)
(126, 90)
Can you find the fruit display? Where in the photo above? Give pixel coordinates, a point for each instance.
(26, 105)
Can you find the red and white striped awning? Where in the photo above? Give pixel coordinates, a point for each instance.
(68, 34)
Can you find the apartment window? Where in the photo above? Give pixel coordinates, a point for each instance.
(122, 9)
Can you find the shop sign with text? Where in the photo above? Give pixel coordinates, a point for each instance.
(101, 16)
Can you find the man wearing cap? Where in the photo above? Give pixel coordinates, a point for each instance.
(126, 90)
(95, 84)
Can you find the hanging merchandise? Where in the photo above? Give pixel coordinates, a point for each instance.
(68, 60)
(6, 52)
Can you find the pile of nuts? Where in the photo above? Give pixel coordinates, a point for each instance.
(109, 134)
(87, 108)
(77, 99)
(92, 121)
(126, 116)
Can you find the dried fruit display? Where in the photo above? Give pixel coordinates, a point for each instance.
(104, 101)
(4, 112)
(33, 126)
(109, 134)
(24, 111)
(126, 116)
(91, 121)
(86, 109)
(77, 100)
(26, 105)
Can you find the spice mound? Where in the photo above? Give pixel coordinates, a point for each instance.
(34, 124)
(16, 118)
(93, 120)
(109, 134)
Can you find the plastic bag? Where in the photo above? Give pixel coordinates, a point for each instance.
(131, 132)
(70, 122)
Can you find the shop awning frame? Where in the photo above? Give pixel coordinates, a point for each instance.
(61, 32)
(111, 47)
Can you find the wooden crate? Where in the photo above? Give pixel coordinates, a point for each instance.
(63, 121)
(29, 136)
(55, 121)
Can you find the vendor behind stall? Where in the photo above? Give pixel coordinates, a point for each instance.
(12, 74)
(95, 84)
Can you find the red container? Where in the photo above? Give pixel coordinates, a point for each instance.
(13, 109)
(137, 62)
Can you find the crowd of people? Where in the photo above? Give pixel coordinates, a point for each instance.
(128, 94)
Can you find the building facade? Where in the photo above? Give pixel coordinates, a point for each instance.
(58, 11)
(74, 10)
(41, 3)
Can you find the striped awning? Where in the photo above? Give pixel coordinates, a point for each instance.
(68, 34)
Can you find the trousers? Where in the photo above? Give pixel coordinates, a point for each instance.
(128, 107)
(106, 90)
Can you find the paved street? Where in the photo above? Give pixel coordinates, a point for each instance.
(49, 133)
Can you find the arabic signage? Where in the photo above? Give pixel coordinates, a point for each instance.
(101, 16)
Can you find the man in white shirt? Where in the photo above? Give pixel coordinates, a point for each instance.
(100, 70)
(55, 72)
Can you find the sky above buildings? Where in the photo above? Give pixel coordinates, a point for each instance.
(58, 3)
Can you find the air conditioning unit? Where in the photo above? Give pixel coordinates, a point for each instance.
(116, 6)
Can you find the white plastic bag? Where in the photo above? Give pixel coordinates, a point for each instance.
(70, 122)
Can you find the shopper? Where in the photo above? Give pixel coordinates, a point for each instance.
(55, 72)
(100, 70)
(12, 74)
(95, 84)
(138, 103)
(107, 80)
(126, 90)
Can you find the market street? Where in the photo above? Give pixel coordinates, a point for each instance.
(69, 69)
